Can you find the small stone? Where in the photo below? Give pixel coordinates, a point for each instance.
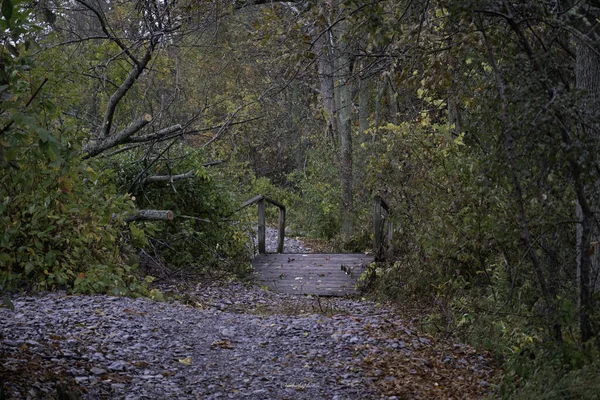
(117, 386)
(117, 366)
(97, 371)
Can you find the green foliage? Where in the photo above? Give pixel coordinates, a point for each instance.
(551, 371)
(450, 221)
(59, 224)
(318, 206)
(201, 238)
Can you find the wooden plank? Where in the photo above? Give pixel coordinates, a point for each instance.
(289, 258)
(320, 274)
(314, 263)
(251, 201)
(316, 255)
(274, 202)
(314, 278)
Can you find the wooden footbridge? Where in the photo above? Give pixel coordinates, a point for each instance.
(314, 273)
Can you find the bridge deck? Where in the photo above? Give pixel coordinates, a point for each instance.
(321, 274)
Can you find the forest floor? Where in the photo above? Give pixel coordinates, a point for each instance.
(228, 340)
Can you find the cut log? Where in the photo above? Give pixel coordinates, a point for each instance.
(150, 215)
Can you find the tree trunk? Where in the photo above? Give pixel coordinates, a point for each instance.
(393, 100)
(345, 131)
(325, 64)
(334, 69)
(364, 97)
(588, 236)
(378, 99)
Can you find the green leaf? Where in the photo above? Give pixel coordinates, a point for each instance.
(7, 9)
(43, 134)
(4, 258)
(50, 258)
(28, 268)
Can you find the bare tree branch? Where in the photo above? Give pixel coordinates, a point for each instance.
(156, 135)
(109, 35)
(169, 178)
(93, 150)
(116, 97)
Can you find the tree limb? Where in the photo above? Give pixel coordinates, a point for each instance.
(213, 163)
(93, 150)
(116, 97)
(169, 178)
(109, 36)
(156, 135)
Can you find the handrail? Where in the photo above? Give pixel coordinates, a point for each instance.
(261, 200)
(379, 221)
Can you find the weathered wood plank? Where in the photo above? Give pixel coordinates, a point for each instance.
(319, 274)
(281, 228)
(290, 258)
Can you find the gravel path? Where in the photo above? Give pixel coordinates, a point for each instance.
(225, 341)
(219, 342)
(290, 244)
(134, 349)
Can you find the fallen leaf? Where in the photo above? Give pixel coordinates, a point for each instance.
(186, 361)
(224, 344)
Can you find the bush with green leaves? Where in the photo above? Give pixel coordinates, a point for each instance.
(59, 216)
(202, 237)
(317, 209)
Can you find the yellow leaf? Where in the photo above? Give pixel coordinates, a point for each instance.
(186, 361)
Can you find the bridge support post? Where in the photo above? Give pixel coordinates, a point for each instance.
(281, 227)
(379, 219)
(261, 227)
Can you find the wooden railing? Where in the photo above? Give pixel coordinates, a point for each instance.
(382, 234)
(261, 201)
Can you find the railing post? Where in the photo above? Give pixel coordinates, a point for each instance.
(281, 227)
(262, 202)
(377, 226)
(261, 227)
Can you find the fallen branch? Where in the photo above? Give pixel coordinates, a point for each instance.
(117, 139)
(169, 178)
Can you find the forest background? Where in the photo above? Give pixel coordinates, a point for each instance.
(130, 132)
